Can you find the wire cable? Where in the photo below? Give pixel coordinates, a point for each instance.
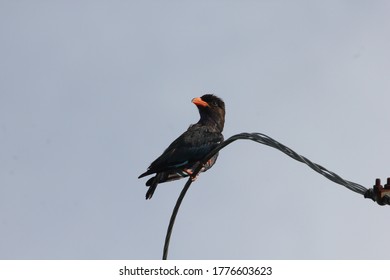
(377, 193)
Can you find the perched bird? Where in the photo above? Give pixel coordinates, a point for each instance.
(181, 157)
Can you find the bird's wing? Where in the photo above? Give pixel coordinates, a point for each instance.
(188, 148)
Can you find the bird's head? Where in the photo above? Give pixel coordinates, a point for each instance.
(211, 109)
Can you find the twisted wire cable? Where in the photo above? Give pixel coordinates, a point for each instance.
(266, 140)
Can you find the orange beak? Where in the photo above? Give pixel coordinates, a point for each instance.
(199, 102)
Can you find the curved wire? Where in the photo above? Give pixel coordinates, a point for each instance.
(266, 140)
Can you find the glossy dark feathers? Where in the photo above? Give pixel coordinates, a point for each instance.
(191, 146)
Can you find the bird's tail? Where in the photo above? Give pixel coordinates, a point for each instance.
(152, 184)
(151, 190)
(163, 177)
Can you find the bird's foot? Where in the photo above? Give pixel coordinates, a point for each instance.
(190, 173)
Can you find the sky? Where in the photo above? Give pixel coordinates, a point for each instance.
(91, 92)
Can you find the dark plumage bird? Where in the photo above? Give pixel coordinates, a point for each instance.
(180, 158)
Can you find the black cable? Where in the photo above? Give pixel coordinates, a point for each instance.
(266, 140)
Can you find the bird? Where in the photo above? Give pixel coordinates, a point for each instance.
(185, 153)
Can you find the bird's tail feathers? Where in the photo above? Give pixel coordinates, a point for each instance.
(151, 190)
(152, 184)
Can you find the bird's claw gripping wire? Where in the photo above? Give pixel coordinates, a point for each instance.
(379, 193)
(190, 171)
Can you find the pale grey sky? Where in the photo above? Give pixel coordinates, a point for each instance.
(92, 91)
